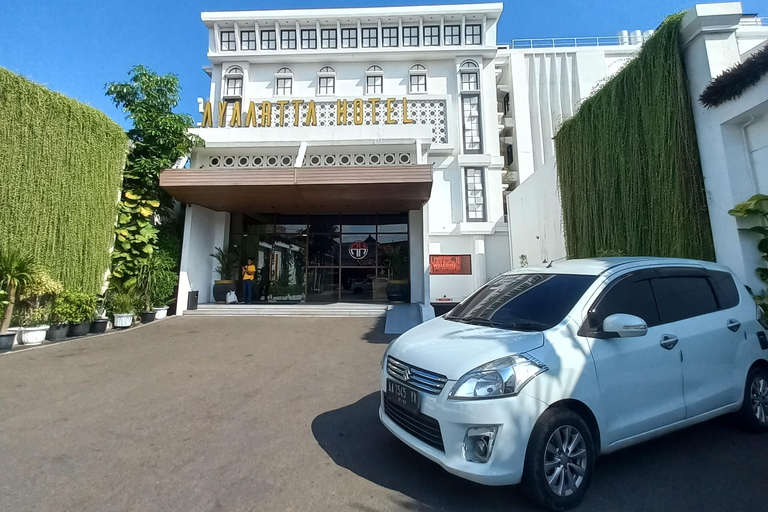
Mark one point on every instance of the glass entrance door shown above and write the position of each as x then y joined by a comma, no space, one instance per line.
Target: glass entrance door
325,258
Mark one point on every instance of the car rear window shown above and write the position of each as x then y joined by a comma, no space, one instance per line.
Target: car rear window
524,302
725,288
683,297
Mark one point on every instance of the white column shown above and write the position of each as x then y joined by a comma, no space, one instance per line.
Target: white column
478,265
204,230
418,242
708,32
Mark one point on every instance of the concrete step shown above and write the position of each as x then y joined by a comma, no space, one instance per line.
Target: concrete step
291,310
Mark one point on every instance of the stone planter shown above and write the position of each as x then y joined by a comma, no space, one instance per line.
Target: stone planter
6,340
99,326
80,329
33,335
161,313
399,290
123,320
57,332
221,288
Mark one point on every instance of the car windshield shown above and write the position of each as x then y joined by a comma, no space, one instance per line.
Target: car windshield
522,302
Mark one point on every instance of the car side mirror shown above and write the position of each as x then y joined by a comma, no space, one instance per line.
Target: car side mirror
625,326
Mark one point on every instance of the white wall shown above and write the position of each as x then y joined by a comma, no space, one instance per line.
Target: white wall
731,137
204,230
535,219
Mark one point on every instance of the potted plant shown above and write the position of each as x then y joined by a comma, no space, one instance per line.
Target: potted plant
15,272
162,294
227,260
121,301
6,339
145,283
77,309
100,322
35,300
33,325
58,328
396,260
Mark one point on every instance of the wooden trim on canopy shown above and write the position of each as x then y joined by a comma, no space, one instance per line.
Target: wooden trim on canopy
302,189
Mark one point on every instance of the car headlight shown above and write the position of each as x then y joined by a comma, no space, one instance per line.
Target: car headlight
386,352
499,378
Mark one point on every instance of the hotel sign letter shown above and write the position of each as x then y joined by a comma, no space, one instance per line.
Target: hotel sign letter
239,118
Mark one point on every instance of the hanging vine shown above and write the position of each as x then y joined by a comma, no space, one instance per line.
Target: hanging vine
60,169
628,162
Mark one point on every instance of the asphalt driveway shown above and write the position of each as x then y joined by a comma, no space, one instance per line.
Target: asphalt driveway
274,414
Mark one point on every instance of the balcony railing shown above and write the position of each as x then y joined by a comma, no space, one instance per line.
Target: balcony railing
570,42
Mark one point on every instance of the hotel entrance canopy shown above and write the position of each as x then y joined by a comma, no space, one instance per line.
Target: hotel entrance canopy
302,189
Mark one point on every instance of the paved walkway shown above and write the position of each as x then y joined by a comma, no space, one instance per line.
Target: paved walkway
276,414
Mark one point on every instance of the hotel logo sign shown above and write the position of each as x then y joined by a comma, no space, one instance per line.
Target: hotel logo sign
358,249
298,113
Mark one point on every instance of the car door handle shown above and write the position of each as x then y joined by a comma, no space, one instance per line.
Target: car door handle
668,341
733,324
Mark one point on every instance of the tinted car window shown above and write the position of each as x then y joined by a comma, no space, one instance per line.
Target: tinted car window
526,302
631,297
727,293
683,297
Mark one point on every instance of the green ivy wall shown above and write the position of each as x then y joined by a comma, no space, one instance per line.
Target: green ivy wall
628,162
61,166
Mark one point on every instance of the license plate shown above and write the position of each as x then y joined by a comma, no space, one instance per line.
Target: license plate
403,396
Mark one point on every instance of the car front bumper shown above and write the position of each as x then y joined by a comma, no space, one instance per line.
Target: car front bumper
515,418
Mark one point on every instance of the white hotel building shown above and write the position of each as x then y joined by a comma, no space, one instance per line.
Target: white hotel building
348,148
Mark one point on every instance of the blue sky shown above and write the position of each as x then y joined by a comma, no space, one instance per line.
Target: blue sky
77,46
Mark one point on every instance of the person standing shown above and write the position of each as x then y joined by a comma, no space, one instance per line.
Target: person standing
264,285
249,274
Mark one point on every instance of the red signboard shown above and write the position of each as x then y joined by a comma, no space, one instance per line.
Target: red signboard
450,264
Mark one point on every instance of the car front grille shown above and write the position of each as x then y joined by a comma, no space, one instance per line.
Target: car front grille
423,380
421,427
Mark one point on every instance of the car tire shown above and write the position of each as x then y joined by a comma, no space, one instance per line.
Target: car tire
754,409
554,482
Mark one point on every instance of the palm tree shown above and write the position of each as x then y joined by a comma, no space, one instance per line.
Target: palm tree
15,273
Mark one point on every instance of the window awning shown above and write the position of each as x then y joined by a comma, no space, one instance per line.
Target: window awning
302,189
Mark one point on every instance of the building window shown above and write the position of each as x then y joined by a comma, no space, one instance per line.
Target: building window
248,40
268,40
452,35
410,36
309,39
284,82
328,38
370,37
389,37
418,79
228,43
473,34
432,36
288,39
233,80
469,76
374,80
475,195
327,81
470,113
349,38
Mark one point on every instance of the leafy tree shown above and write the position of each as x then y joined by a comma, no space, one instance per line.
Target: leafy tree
159,138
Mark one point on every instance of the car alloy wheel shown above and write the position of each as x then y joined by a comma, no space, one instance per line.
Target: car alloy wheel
759,395
565,461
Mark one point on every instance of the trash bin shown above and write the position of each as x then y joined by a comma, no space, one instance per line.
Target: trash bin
192,300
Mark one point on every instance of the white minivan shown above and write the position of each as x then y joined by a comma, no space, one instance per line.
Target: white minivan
543,368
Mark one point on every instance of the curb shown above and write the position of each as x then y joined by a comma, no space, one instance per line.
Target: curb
82,338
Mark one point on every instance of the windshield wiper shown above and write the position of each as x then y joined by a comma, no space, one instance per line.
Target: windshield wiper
527,326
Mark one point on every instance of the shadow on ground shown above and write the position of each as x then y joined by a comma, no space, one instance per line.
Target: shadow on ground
376,333
676,472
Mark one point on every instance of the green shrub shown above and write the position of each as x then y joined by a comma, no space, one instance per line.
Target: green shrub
74,307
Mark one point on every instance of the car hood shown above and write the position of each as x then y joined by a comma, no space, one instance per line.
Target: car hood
453,348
